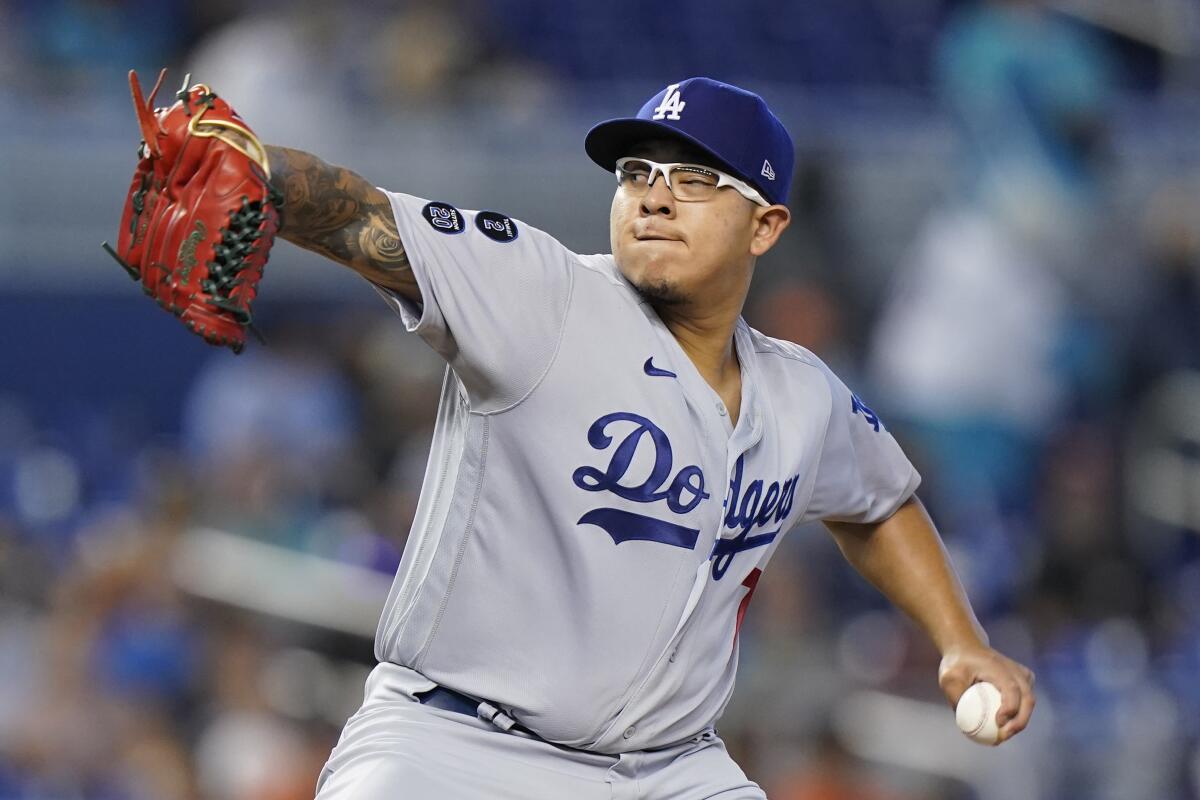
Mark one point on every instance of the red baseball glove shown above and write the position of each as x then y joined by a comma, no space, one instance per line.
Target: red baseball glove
200,216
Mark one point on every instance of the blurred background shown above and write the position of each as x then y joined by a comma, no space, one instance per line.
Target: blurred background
996,241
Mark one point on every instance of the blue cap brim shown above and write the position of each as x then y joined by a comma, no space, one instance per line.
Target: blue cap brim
615,138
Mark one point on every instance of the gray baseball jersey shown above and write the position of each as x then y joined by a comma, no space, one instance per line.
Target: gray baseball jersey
592,526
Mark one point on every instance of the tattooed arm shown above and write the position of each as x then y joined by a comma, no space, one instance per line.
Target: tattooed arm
335,212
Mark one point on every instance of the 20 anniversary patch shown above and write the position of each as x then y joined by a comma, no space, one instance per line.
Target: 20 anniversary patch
444,217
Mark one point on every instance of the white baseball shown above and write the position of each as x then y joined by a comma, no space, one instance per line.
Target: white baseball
976,713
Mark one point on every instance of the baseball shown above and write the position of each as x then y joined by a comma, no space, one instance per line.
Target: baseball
976,713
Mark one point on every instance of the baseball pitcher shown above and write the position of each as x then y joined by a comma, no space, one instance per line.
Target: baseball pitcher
617,453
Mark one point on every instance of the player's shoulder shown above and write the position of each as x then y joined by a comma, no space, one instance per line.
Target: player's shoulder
518,235
791,360
479,225
791,354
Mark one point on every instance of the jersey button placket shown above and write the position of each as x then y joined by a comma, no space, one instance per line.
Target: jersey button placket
629,732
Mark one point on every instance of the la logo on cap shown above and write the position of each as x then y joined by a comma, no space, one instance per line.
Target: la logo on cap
671,105
732,125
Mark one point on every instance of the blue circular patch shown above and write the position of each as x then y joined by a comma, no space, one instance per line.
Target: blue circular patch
496,227
444,217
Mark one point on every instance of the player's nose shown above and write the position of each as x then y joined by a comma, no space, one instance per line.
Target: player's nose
658,198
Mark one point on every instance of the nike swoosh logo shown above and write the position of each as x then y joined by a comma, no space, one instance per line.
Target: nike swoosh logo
650,369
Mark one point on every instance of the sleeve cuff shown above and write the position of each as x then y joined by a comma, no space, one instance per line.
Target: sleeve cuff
910,488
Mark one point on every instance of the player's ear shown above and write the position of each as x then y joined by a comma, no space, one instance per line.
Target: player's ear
769,223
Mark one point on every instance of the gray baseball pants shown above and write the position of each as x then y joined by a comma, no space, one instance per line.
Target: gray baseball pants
395,748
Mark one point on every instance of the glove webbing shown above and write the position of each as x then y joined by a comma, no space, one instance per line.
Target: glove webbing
237,242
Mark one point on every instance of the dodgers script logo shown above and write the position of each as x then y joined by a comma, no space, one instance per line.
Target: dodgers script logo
682,491
749,508
754,506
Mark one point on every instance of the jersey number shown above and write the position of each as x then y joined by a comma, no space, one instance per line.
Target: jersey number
442,218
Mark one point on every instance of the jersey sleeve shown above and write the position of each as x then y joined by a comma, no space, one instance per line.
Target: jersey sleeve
494,295
863,475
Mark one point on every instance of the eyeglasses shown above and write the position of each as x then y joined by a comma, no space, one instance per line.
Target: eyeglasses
688,183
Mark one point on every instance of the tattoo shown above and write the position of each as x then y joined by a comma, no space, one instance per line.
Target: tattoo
335,212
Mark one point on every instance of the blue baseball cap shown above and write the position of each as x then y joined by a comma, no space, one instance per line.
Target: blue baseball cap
732,125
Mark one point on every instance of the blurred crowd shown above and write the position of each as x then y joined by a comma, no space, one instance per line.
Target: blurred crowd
381,51
1035,348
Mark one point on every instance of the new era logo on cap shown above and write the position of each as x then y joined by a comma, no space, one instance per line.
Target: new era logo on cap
732,125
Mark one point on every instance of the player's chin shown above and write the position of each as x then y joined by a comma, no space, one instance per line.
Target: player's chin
653,266
659,290
653,260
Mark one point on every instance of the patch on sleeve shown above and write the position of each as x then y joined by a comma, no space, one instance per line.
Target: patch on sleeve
496,227
857,406
444,217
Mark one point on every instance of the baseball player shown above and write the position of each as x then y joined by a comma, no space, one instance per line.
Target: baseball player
617,455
